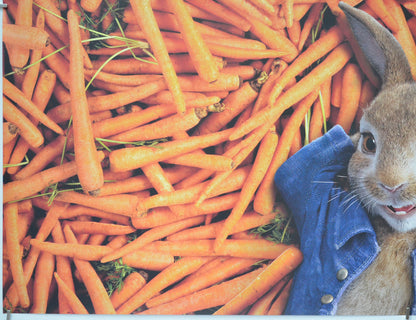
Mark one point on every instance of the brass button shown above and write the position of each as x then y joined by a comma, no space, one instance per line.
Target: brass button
328,298
342,274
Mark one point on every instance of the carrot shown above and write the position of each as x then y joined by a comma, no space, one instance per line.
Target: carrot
89,170
10,132
16,95
274,272
148,260
262,305
403,35
367,94
42,282
236,179
336,88
213,296
279,305
315,51
273,39
72,250
266,193
152,235
93,227
162,215
247,147
64,270
197,48
331,65
41,96
99,297
203,160
383,13
10,215
258,170
201,280
132,283
248,221
313,17
321,111
131,158
165,127
25,37
90,5
75,304
19,189
26,128
145,17
246,9
294,33
350,96
18,55
258,248
107,102
235,103
223,12
123,204
168,276
32,73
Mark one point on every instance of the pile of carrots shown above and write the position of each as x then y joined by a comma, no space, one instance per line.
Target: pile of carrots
141,138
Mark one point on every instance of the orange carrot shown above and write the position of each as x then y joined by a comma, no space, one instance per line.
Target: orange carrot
310,21
279,305
266,194
131,284
315,51
321,111
76,305
168,276
90,5
72,250
350,96
223,12
42,282
106,102
203,160
336,88
131,158
236,179
383,13
148,260
41,96
201,280
274,272
123,204
331,65
262,305
273,39
58,63
13,251
64,270
246,9
213,296
162,215
258,170
26,128
152,235
32,73
18,54
257,248
93,227
145,17
200,54
235,103
25,37
99,297
89,170
165,127
10,132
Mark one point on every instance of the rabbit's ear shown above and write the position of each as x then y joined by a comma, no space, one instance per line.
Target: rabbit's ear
379,46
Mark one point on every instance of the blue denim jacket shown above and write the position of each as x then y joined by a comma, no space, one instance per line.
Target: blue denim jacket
335,232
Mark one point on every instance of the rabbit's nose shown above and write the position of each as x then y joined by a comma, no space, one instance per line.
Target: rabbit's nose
390,188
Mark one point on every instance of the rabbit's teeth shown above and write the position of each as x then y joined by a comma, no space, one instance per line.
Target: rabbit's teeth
401,210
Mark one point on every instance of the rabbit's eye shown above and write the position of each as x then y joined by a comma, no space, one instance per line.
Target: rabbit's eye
368,143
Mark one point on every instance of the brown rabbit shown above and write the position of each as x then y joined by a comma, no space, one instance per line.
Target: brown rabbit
382,173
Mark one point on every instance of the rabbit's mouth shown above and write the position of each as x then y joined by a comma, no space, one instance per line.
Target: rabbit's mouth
401,212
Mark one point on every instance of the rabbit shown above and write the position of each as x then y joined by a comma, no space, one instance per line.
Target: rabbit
382,173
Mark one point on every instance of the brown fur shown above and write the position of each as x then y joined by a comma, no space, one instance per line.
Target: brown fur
385,287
